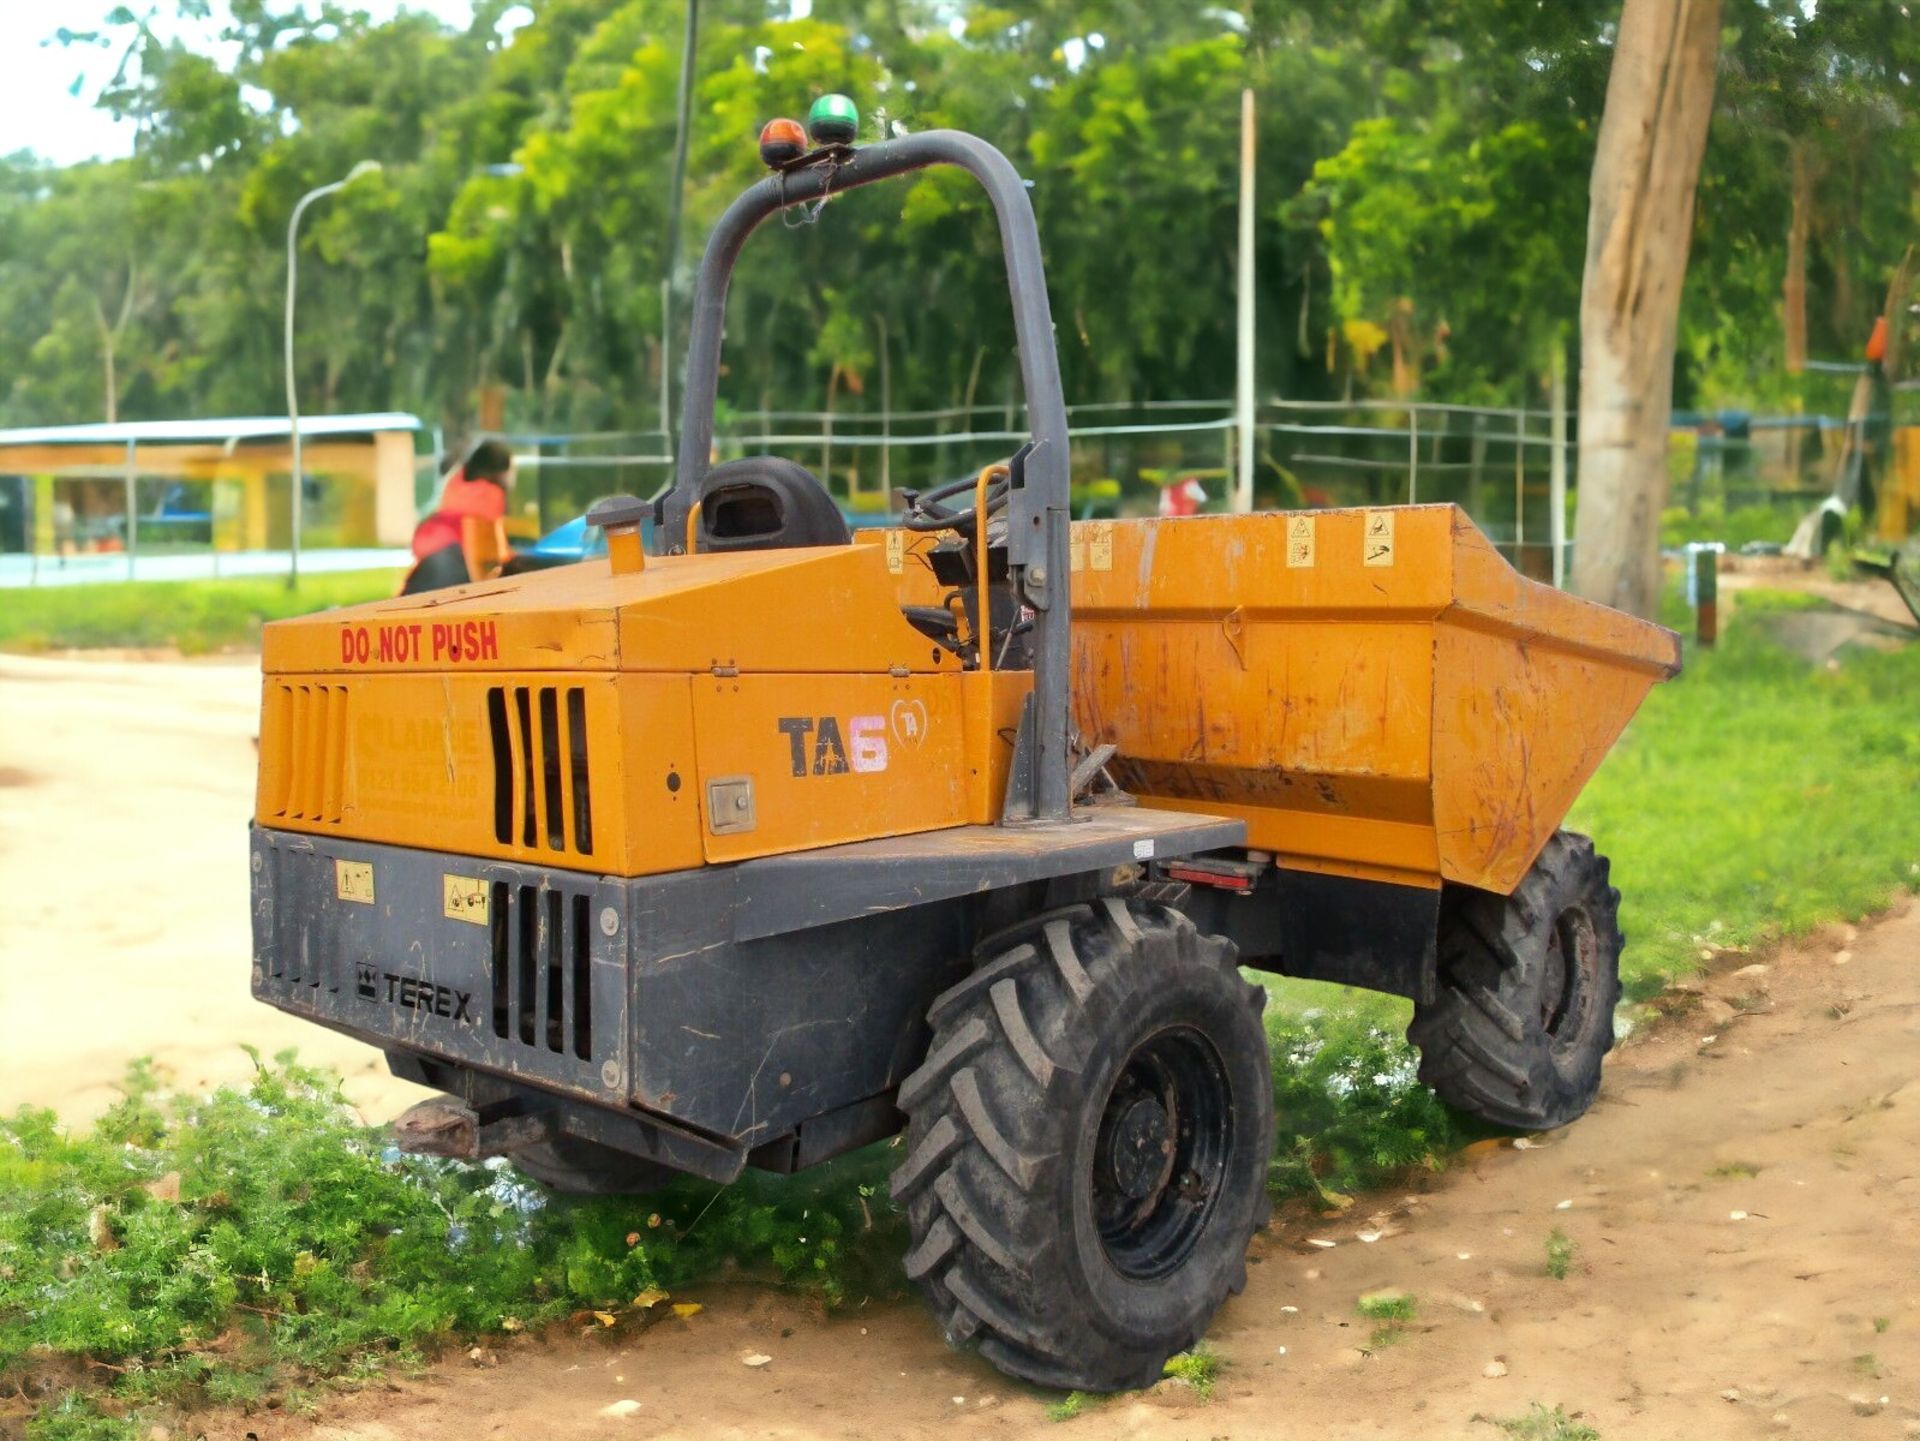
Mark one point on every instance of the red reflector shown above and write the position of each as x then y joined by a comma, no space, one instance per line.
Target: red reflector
1201,876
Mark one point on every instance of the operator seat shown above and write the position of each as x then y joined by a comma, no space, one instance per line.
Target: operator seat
766,503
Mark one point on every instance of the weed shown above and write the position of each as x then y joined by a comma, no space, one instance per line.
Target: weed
1868,1365
1199,1368
1540,1424
1069,1406
1735,1171
1347,1096
1881,1325
1391,1311
302,1246
1560,1249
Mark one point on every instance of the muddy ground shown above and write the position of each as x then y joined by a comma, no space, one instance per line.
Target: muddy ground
1743,1202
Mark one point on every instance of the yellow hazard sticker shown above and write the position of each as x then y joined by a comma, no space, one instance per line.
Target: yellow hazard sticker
896,550
1100,545
1299,542
464,898
1378,543
353,881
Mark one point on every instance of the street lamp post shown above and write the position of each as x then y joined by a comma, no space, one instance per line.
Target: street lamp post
365,167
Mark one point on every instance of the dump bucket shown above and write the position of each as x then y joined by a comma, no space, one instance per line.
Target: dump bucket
1376,693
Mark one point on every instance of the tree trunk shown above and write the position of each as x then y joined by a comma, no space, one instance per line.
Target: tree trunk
1793,289
1639,224
109,346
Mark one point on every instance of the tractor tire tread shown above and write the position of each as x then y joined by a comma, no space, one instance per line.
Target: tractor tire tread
987,1130
1480,1050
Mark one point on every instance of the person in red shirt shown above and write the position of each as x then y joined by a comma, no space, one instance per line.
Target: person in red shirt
478,489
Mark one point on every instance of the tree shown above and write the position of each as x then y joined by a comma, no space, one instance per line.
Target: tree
1646,163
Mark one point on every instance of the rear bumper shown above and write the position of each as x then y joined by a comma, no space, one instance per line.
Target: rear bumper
509,968
770,1006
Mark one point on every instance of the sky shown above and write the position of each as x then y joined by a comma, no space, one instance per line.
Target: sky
37,111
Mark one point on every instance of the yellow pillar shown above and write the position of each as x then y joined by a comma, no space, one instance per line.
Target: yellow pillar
393,487
41,542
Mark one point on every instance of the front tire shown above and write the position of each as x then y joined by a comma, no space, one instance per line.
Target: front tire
1528,986
1087,1145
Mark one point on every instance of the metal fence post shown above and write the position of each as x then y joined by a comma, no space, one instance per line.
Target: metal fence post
1519,484
1413,454
1557,472
133,509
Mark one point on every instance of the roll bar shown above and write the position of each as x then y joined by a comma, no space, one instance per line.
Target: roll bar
1039,508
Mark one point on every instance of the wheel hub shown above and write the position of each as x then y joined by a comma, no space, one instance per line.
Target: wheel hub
1140,1141
1565,999
1161,1152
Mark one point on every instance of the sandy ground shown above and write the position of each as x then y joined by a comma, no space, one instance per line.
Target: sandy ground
1744,1199
125,790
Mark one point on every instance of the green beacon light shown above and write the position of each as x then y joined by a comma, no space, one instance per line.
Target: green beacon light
833,120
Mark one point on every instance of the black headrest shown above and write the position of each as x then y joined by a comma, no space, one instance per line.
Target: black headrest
766,503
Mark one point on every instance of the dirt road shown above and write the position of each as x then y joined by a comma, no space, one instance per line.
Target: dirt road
1744,1206
125,788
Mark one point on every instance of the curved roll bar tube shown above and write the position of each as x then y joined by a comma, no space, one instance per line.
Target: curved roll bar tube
1038,511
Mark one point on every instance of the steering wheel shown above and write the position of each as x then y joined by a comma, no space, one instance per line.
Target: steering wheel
928,510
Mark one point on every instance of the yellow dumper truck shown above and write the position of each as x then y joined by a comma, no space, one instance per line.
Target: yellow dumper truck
767,844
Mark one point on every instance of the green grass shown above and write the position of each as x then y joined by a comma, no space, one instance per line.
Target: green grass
196,616
1349,1109
1540,1424
1732,528
1072,1404
1560,1252
1391,1312
1756,797
1199,1368
302,1247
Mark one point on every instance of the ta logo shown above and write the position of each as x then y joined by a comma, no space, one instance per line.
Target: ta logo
909,719
366,982
817,747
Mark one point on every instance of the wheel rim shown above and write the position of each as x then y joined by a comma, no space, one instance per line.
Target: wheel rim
1573,949
1160,1159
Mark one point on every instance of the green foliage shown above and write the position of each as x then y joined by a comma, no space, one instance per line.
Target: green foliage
1391,1312
1069,1406
301,1246
1421,170
1540,1424
1748,800
1732,528
1419,212
1349,1107
1199,1368
196,616
1560,1253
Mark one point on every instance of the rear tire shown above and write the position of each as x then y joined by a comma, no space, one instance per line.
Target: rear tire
1528,986
1087,1145
569,1166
